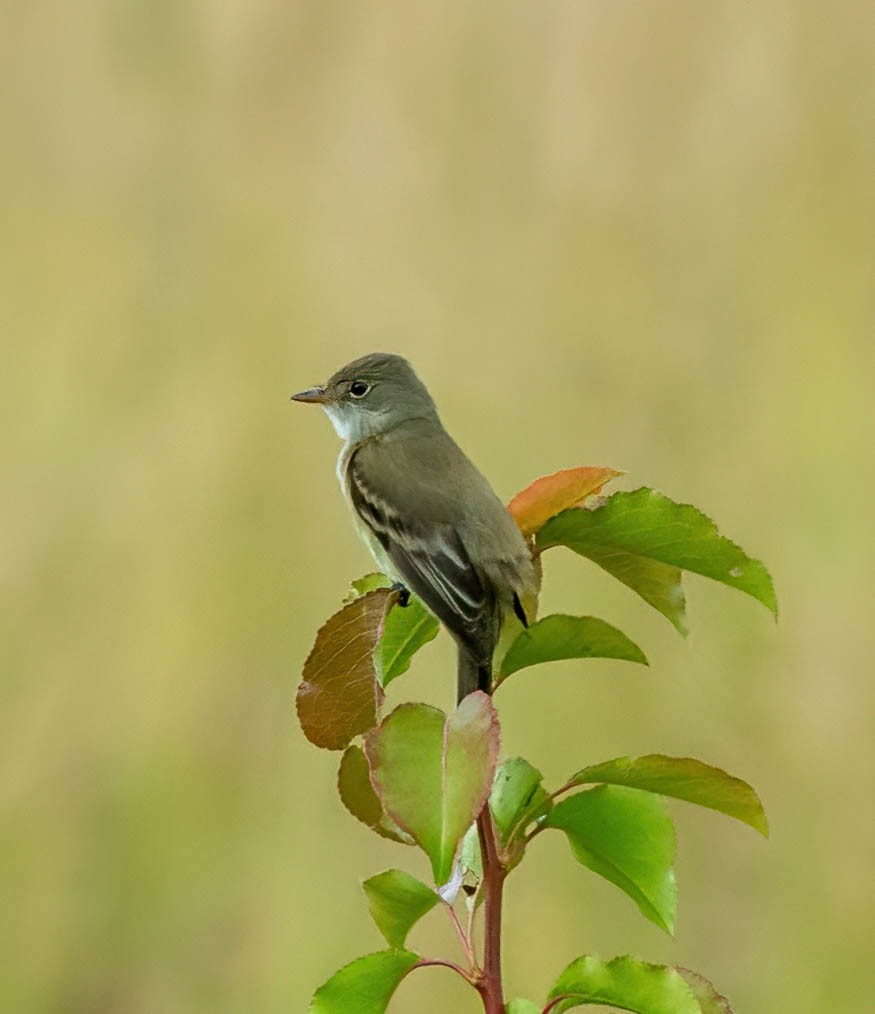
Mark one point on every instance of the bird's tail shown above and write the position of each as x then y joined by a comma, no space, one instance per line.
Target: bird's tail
474,673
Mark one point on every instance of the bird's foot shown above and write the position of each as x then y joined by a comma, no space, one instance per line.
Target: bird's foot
403,593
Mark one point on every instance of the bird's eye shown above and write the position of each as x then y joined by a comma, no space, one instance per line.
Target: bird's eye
358,388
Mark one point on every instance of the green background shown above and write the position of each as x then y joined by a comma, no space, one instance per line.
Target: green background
636,235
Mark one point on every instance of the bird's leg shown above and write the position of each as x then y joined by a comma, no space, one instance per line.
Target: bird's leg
403,593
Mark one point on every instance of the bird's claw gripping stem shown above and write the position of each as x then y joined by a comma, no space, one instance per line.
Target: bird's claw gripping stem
403,593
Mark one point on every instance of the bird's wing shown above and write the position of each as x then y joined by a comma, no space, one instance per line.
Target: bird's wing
416,530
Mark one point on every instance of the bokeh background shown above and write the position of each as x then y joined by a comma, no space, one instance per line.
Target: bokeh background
632,234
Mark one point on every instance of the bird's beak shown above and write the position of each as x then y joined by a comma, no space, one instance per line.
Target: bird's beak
312,396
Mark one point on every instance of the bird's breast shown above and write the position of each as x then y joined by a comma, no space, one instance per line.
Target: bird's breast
364,532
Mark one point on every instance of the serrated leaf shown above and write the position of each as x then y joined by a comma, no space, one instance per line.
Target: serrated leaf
623,982
340,696
548,496
627,837
397,901
683,778
561,637
517,798
645,539
433,773
358,796
365,986
710,1001
405,631
659,584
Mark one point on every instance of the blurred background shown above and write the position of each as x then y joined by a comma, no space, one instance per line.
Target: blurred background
637,235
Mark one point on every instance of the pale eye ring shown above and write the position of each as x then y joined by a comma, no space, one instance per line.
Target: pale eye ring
359,388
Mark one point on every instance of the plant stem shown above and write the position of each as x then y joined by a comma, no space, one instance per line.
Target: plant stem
489,984
554,1003
442,963
464,938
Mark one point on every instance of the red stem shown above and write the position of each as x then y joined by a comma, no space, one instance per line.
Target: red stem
464,938
489,984
441,963
555,1002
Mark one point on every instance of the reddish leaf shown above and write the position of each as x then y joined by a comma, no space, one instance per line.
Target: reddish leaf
551,494
709,999
340,695
358,796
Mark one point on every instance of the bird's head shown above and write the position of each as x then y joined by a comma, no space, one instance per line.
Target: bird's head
371,395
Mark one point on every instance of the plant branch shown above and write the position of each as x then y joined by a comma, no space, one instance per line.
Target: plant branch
534,833
443,963
564,788
524,820
489,984
555,1002
464,938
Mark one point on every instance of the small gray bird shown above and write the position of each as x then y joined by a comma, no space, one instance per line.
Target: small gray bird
430,519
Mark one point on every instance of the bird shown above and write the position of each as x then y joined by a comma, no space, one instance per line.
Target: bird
431,520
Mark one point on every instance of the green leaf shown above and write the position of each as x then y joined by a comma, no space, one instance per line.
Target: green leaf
558,637
397,901
365,986
339,697
405,631
470,857
517,798
644,539
627,837
710,1001
520,1006
433,773
368,583
626,983
358,796
682,778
